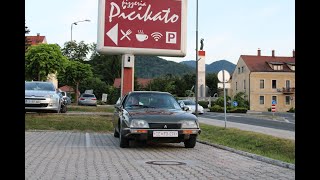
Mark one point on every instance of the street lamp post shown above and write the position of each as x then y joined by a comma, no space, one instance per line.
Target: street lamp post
196,89
76,23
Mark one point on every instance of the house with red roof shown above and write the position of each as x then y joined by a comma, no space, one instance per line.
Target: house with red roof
265,80
36,39
141,81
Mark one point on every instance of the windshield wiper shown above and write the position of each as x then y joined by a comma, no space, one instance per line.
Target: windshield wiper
139,105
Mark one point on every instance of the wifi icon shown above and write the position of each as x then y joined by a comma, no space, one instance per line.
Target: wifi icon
156,36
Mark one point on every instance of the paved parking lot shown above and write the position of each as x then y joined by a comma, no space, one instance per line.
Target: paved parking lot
77,155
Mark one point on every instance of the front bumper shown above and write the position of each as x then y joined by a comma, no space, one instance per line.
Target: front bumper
34,104
147,134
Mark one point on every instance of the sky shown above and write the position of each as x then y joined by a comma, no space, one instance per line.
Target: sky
230,28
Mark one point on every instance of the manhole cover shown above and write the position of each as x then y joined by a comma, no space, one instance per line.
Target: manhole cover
165,163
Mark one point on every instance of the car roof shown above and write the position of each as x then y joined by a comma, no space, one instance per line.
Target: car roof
48,82
158,92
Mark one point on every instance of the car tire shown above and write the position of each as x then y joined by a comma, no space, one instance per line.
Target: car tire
64,109
191,142
115,133
124,142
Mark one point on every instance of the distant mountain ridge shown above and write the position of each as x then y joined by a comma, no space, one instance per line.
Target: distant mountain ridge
214,67
153,66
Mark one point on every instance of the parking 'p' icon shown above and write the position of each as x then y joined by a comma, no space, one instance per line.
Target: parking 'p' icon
171,37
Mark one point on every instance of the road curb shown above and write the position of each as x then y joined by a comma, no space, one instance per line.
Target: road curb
254,156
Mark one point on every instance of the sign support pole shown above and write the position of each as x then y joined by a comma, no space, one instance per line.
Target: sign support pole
225,101
127,74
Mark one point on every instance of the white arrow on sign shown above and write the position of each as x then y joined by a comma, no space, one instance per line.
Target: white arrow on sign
113,34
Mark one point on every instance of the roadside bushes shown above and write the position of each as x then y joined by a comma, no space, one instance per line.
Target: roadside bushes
217,108
292,110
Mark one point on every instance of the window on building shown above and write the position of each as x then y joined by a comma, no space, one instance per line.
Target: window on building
274,84
274,98
236,86
287,84
277,67
242,69
261,98
244,84
288,98
293,68
238,70
261,84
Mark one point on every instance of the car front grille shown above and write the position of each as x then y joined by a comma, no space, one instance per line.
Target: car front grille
37,105
162,126
36,98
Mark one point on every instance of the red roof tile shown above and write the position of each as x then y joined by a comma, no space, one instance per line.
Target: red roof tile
143,82
260,63
35,39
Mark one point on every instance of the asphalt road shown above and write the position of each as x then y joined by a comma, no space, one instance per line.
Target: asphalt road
282,121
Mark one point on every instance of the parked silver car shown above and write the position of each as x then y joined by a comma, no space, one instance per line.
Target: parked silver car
42,96
191,105
87,99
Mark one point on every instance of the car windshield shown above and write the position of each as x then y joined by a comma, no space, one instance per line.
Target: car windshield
39,86
151,100
88,95
189,102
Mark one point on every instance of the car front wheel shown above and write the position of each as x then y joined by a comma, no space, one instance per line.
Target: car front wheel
115,133
124,142
191,142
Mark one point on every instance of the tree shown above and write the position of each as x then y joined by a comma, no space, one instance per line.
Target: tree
106,67
75,72
99,87
43,59
164,83
76,51
27,42
240,98
212,83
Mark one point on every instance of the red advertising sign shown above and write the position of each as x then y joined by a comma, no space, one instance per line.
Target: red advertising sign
142,27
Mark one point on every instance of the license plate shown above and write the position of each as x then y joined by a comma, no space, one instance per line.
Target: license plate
165,133
28,101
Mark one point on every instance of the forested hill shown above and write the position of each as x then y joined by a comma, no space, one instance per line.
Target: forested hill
153,66
214,67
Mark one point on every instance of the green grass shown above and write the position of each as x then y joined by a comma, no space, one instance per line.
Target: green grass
256,143
86,123
90,108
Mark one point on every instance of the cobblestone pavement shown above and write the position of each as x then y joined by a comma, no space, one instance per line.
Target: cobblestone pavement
78,155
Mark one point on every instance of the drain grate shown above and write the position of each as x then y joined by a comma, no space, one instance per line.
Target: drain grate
166,163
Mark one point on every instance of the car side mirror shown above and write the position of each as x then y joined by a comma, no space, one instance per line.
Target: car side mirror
118,106
185,108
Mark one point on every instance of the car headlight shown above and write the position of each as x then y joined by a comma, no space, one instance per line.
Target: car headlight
189,124
49,96
136,123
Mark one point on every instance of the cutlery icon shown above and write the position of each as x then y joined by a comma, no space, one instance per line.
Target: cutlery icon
126,35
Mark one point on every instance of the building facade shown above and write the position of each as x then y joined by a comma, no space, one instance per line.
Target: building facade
265,80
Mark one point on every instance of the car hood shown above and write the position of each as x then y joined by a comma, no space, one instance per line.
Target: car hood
160,115
39,93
